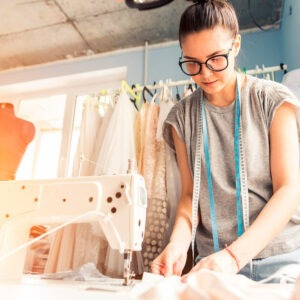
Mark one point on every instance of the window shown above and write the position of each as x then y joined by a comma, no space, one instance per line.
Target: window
54,106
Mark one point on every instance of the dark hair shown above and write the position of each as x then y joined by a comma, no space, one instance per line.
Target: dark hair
207,14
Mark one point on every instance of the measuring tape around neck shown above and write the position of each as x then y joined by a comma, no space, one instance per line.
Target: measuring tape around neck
242,202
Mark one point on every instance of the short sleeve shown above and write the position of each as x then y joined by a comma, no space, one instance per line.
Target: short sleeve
272,95
174,119
276,97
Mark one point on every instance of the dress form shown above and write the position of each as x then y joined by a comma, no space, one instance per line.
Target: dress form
15,135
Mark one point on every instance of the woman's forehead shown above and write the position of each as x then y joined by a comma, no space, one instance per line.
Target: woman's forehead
206,41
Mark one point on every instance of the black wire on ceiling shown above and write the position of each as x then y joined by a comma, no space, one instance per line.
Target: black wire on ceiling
254,20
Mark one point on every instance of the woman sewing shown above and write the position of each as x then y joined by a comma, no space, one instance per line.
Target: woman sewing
236,144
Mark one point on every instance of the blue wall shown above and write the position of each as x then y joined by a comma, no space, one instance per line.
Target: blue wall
269,48
290,37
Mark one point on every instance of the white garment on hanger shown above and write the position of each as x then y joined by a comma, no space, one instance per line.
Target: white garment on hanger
172,176
165,104
292,81
90,123
100,136
118,144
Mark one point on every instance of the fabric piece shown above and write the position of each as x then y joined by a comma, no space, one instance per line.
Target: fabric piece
149,153
173,182
259,100
118,146
90,123
209,285
292,81
141,136
172,179
81,243
100,136
153,237
119,135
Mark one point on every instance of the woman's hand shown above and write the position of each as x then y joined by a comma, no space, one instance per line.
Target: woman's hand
171,261
220,261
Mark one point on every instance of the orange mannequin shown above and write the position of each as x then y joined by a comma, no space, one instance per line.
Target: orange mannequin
15,135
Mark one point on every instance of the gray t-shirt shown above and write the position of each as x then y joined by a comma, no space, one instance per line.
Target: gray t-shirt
259,101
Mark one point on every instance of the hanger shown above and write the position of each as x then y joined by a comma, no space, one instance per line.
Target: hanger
282,67
126,88
177,94
134,100
145,89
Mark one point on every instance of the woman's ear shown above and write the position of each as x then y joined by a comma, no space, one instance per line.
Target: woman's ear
237,44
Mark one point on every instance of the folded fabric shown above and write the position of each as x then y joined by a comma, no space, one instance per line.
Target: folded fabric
211,285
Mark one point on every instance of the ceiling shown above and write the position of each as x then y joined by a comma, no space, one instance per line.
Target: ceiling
40,31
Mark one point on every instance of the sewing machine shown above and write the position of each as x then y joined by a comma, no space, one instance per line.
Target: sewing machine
118,202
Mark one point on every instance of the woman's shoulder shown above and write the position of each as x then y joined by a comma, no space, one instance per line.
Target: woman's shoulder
190,101
185,109
264,85
261,89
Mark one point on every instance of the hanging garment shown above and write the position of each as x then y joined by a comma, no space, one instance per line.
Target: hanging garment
101,132
149,153
140,135
117,147
118,144
153,237
83,242
292,81
172,181
90,246
187,91
90,123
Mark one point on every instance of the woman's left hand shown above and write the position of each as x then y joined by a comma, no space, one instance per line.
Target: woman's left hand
220,261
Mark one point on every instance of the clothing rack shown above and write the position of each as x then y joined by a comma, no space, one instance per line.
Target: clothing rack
168,84
264,70
257,71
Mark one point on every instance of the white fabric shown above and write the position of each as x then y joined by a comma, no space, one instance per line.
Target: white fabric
165,104
118,144
210,285
292,81
113,137
100,136
90,123
173,181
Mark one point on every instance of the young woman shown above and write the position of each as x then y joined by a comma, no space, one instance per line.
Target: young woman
236,144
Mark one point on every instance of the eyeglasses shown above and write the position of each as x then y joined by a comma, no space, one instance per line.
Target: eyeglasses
216,63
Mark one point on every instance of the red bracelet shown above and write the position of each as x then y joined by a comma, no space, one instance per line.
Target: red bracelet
237,261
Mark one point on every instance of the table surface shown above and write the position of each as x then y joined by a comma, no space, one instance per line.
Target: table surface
35,288
42,289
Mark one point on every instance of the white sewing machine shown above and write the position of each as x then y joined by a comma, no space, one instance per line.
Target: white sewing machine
118,202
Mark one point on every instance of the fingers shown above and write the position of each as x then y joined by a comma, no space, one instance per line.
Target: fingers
205,263
157,267
168,268
177,269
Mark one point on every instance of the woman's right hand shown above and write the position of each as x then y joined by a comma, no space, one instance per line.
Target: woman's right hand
171,261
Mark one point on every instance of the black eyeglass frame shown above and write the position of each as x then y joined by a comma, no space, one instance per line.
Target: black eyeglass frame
181,62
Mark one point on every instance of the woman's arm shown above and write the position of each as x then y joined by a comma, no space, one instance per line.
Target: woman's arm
182,228
284,160
172,260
